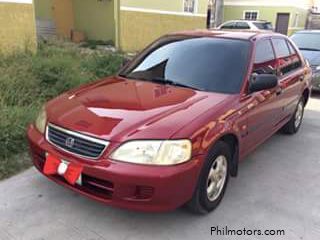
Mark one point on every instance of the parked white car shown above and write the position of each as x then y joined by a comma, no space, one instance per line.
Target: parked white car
257,25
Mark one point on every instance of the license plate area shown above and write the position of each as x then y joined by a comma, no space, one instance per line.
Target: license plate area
63,167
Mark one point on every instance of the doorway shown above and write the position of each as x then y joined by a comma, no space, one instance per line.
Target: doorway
282,23
63,17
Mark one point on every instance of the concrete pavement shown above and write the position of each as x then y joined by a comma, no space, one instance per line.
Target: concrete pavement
278,187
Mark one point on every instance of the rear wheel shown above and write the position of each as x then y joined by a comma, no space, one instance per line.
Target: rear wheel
213,180
295,122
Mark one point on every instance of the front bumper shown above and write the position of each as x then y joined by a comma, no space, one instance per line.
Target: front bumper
136,187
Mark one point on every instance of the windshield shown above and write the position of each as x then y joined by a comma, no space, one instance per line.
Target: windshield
307,41
208,64
263,26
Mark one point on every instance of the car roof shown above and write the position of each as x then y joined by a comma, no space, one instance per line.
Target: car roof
308,31
243,34
244,20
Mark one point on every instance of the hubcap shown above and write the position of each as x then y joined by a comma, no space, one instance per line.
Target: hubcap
298,115
216,178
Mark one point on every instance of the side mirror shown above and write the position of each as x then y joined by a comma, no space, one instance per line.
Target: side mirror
262,82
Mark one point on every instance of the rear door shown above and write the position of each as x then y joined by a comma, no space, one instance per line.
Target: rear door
264,109
291,75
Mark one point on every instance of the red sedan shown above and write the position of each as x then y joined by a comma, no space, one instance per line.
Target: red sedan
174,124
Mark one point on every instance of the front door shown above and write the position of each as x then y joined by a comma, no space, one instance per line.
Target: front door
282,23
63,17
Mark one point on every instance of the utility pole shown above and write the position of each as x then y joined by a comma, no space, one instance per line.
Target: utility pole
219,9
209,14
215,13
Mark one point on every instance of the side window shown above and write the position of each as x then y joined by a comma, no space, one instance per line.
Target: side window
242,25
281,48
229,25
265,61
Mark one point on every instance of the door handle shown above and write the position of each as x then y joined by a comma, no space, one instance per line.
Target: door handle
301,78
279,91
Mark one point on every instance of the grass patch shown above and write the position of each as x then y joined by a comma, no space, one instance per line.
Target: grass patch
28,80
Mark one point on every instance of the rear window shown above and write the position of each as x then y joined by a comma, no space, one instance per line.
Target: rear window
281,48
263,26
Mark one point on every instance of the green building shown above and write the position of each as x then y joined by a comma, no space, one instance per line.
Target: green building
132,24
287,16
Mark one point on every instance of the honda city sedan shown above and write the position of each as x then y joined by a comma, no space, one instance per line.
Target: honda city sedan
173,125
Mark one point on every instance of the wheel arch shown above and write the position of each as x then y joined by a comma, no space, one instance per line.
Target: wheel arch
232,140
306,95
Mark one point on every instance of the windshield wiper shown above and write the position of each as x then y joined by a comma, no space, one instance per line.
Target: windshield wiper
133,77
309,49
161,80
174,83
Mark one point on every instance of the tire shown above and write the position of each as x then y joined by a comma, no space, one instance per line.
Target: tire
204,200
293,126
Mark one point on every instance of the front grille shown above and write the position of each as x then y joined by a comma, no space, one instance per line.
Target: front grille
76,143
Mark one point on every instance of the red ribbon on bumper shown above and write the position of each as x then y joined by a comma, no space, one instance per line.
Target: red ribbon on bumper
51,165
72,173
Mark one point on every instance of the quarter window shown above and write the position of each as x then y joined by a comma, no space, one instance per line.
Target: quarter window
251,15
292,50
189,6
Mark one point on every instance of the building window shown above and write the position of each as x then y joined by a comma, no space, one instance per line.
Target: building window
250,15
189,6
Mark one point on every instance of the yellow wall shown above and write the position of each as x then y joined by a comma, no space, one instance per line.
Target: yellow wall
17,27
139,29
96,19
43,9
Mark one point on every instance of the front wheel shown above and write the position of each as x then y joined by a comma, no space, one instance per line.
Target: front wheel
213,180
295,122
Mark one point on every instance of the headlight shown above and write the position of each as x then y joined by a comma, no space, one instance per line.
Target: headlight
168,152
41,120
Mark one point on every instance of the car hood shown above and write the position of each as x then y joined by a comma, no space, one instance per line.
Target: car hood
118,109
312,56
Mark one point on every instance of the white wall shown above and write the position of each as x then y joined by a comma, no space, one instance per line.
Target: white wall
17,1
286,3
